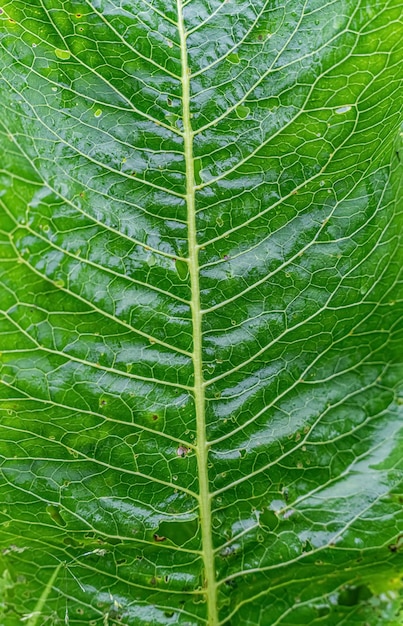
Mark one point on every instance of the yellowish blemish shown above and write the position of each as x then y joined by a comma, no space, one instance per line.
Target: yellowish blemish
63,55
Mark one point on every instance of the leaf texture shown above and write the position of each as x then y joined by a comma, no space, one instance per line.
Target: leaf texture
200,312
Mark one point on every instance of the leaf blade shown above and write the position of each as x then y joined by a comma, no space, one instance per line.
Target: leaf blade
285,210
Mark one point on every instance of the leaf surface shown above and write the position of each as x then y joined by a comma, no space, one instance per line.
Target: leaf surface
201,320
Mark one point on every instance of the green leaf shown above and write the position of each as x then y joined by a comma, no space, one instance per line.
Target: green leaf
200,313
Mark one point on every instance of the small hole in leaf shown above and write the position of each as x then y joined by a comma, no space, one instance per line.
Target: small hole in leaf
394,547
54,513
242,111
69,541
351,596
307,546
178,532
233,58
63,55
182,269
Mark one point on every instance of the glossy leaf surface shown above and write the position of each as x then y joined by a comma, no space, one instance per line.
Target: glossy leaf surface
201,320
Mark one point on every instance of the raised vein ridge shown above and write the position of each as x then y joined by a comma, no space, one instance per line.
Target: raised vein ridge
202,447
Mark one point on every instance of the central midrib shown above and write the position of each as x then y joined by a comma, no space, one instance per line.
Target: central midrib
202,448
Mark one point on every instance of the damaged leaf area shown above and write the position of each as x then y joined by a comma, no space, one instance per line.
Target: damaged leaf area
201,313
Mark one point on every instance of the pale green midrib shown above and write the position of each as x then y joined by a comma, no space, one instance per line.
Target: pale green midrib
202,448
